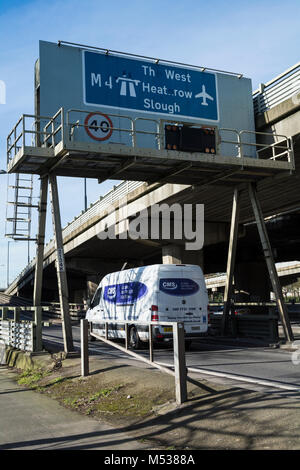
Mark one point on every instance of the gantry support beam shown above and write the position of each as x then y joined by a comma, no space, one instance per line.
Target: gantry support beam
38,275
61,266
264,238
231,257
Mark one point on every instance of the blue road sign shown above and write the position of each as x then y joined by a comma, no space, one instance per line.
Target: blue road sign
139,85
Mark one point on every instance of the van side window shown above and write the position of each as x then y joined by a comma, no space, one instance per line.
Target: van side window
96,298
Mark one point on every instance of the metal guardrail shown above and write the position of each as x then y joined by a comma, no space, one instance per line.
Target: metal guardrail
21,334
27,125
66,132
179,373
264,327
282,142
77,311
277,90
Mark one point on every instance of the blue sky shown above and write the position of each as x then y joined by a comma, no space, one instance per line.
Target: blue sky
259,39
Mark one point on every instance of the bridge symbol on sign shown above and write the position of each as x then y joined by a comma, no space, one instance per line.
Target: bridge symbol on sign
131,84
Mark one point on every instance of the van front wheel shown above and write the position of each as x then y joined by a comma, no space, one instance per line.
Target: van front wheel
134,339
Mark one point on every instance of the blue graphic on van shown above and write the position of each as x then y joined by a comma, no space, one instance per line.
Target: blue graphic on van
178,286
125,293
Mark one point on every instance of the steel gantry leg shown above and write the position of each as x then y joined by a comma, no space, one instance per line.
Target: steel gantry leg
60,266
38,275
270,262
231,257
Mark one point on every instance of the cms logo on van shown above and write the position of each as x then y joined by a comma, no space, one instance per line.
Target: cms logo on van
111,292
169,285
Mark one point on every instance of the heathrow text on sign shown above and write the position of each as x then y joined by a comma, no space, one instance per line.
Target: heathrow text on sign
136,85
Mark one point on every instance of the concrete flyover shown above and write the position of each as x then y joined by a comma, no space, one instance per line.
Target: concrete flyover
88,257
288,273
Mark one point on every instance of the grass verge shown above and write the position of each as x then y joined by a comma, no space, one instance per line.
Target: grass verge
110,397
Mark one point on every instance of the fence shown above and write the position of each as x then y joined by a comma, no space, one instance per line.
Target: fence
77,311
179,372
263,327
21,334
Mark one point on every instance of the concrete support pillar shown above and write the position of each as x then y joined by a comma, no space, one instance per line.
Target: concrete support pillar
172,254
92,283
176,254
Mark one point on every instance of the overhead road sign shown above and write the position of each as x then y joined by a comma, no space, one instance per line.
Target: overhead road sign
139,90
139,85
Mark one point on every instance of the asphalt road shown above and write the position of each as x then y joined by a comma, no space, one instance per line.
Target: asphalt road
253,366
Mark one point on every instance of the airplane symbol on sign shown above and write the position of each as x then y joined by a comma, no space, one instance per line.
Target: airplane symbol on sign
205,96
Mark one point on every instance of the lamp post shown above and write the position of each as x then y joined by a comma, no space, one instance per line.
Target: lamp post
7,265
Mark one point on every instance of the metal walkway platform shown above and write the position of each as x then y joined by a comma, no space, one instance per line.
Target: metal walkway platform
58,150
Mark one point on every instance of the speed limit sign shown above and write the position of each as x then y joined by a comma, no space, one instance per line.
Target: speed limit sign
98,126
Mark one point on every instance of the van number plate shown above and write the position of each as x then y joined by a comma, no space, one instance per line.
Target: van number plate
168,329
195,327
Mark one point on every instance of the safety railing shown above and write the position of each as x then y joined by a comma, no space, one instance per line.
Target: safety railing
179,372
247,144
131,130
55,131
76,311
56,135
280,148
282,144
27,126
281,88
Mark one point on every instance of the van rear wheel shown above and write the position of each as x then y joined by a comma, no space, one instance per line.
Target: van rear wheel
134,339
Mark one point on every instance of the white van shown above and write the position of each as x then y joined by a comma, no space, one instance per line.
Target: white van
161,292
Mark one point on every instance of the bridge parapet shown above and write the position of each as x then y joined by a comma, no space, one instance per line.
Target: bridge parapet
279,89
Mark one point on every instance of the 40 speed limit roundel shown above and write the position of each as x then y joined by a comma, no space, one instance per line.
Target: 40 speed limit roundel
98,126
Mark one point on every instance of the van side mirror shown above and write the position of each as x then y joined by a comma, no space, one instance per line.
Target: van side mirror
88,302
